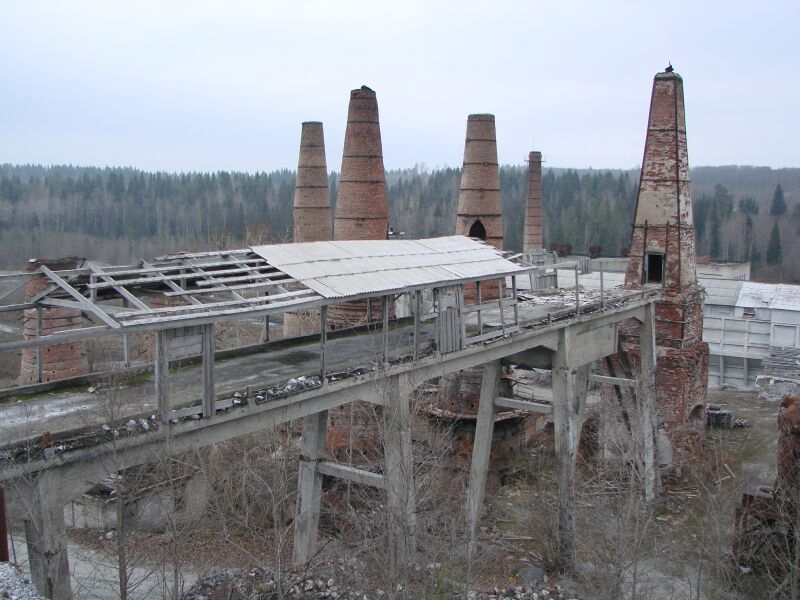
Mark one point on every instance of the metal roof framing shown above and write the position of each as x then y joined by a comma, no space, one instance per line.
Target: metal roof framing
207,287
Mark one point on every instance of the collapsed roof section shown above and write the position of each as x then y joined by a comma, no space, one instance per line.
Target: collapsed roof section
211,286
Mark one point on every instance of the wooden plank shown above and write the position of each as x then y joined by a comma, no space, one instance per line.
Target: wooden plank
351,474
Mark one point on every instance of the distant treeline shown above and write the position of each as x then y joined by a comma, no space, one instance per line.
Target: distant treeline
120,214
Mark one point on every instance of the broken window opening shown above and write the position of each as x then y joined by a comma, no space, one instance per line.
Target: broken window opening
477,231
654,268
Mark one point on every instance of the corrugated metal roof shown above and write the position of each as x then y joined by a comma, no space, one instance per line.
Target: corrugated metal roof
722,292
352,267
750,294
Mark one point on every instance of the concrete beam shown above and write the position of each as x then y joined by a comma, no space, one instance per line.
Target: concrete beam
514,404
359,476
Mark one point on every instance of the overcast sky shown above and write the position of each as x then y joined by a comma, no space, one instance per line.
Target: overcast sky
197,86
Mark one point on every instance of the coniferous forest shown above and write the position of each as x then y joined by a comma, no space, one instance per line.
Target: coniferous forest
117,215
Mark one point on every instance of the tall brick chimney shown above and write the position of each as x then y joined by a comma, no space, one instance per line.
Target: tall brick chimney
662,257
312,213
59,361
479,209
312,201
532,235
362,204
479,216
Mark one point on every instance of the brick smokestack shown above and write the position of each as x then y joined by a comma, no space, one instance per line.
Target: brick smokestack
532,237
478,216
312,213
59,361
312,201
662,258
362,205
479,209
664,203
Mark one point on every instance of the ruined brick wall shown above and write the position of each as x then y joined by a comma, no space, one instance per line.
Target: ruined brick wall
532,234
59,361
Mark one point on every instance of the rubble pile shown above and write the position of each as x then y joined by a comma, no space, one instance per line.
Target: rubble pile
334,582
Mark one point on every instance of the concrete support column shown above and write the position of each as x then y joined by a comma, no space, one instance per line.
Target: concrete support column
481,449
399,470
569,399
161,358
309,487
209,395
647,405
46,537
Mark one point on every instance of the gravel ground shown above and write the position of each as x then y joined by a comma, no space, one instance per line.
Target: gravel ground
14,586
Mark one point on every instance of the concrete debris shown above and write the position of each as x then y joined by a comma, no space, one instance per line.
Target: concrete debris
14,586
335,582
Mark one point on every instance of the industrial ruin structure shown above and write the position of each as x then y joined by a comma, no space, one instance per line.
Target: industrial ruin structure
362,202
58,361
467,324
662,258
311,212
532,238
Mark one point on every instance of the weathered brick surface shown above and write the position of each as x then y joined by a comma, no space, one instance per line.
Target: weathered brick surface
532,232
663,225
313,221
479,196
362,207
312,204
60,360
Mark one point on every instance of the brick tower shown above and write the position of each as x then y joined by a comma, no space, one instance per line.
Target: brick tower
479,209
312,213
662,257
479,216
532,234
362,205
59,361
312,201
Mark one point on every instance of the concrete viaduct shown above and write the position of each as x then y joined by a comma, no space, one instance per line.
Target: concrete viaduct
428,275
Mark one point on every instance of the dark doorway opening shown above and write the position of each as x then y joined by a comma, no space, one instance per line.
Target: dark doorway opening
655,268
477,231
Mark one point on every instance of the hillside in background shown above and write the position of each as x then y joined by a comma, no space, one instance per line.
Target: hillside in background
118,215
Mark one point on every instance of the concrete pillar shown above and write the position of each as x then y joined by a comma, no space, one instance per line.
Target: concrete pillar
161,375
569,400
481,449
532,236
46,537
399,470
309,487
59,361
